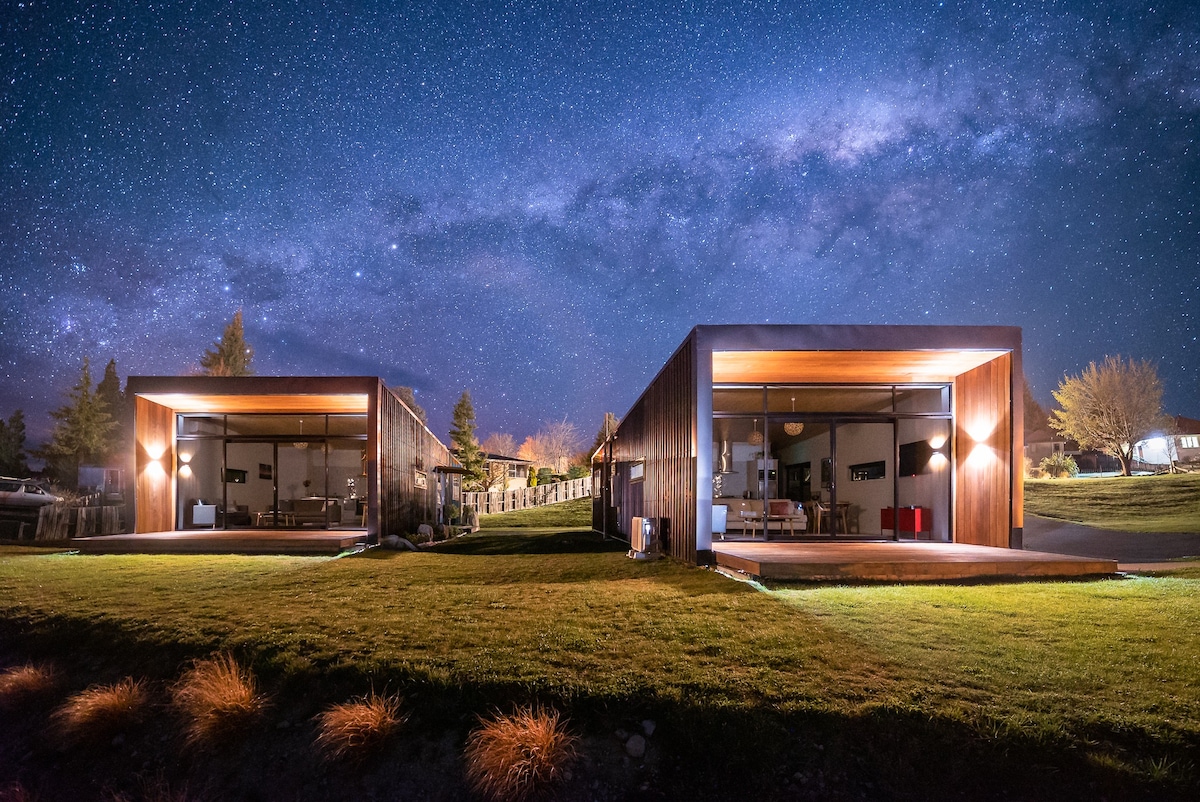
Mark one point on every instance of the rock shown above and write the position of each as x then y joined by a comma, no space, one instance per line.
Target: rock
635,747
390,542
648,727
622,735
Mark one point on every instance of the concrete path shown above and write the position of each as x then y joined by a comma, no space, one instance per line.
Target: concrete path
1132,550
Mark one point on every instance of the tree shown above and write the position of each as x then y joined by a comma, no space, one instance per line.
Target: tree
1111,407
502,444
1036,417
109,389
606,429
409,397
559,443
13,459
464,444
231,355
82,433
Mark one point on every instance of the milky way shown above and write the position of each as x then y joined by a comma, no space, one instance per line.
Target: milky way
537,201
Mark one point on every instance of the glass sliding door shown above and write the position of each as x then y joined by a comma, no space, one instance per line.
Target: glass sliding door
281,471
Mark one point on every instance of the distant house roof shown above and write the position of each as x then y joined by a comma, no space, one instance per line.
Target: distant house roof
1186,425
502,458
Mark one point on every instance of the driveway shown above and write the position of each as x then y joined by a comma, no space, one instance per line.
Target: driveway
1127,548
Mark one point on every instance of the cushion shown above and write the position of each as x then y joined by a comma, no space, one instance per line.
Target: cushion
782,507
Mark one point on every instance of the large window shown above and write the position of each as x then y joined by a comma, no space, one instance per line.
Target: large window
849,455
283,471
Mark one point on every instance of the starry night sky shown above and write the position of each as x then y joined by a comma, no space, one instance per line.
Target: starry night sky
537,201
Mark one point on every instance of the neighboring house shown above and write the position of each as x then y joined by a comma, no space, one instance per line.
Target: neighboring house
283,452
1181,449
1044,442
860,420
515,468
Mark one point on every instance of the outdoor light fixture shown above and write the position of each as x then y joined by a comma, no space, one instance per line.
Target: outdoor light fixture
755,438
793,428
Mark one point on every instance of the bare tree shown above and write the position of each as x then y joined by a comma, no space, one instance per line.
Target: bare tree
531,451
560,442
497,443
1111,407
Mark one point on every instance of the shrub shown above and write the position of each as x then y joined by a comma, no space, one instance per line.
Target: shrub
218,697
23,684
520,756
1059,466
356,729
101,711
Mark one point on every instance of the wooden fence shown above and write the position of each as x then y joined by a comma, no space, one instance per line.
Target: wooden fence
527,497
58,522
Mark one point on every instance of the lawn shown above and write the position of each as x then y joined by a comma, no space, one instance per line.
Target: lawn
1031,690
1169,503
569,514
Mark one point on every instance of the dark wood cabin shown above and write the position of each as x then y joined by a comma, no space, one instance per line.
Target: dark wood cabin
858,432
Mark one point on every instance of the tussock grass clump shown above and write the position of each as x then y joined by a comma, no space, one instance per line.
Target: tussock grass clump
354,730
101,711
219,698
15,792
522,756
21,685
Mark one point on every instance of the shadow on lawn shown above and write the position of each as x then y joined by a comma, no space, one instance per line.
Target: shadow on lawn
524,541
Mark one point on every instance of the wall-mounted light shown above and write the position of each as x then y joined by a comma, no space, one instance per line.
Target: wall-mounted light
940,455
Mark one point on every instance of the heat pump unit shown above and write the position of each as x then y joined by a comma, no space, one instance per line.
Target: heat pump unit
641,536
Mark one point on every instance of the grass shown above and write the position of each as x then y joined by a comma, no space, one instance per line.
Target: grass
1048,684
354,730
101,712
219,698
520,756
1169,503
566,514
26,684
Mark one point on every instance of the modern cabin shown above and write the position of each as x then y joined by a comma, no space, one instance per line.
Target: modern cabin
822,433
260,453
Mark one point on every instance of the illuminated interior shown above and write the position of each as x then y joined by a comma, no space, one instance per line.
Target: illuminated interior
848,438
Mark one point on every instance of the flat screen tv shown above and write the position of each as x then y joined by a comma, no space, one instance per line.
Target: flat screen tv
914,458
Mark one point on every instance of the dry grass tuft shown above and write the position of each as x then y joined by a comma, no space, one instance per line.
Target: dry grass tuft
356,729
15,792
24,684
219,698
101,711
520,757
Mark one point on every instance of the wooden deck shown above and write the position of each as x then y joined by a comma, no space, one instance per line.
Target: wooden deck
903,561
233,541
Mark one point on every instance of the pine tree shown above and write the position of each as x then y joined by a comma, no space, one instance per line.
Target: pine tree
409,397
466,447
109,389
82,432
231,355
13,459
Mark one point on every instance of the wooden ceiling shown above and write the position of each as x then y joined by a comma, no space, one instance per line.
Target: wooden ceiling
233,404
845,367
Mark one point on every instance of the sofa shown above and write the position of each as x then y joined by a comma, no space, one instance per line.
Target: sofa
312,511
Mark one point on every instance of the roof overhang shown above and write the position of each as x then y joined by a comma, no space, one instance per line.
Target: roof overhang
184,403
847,367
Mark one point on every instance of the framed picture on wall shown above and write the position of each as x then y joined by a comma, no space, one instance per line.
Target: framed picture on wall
264,470
826,472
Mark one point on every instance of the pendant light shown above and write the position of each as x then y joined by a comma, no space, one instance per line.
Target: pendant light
756,438
793,428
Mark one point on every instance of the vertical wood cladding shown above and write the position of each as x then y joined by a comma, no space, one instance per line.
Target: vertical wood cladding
154,466
984,454
659,431
404,448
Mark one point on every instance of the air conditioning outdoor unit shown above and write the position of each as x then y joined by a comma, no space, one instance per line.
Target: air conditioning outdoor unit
641,535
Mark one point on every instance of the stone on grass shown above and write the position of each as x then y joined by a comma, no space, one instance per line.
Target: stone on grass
635,747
